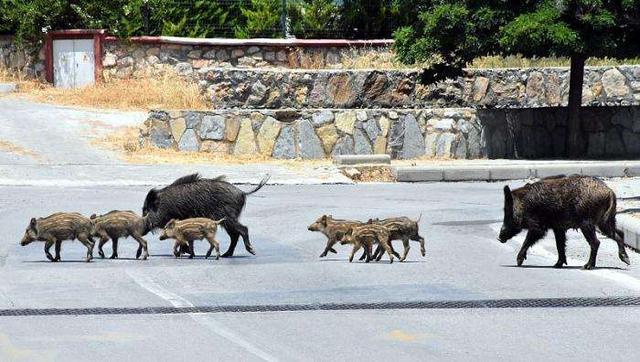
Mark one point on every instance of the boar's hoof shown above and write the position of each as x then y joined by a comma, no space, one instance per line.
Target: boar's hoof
101,253
588,266
251,250
558,265
521,259
113,256
625,259
138,253
332,250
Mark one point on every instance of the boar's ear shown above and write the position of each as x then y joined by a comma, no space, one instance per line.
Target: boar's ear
151,201
32,223
171,223
508,198
324,220
93,216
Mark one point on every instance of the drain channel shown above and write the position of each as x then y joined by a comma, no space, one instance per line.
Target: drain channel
453,304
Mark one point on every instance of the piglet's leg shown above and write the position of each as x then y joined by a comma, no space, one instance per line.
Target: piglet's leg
58,244
47,247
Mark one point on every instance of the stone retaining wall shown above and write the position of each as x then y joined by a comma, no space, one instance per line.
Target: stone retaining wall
484,88
461,133
126,59
316,134
17,58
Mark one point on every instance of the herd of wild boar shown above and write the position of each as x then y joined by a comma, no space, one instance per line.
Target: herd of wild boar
192,208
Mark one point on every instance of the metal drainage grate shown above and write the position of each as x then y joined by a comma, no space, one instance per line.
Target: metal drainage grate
453,304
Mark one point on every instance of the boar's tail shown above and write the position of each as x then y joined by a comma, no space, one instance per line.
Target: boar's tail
419,217
260,185
608,224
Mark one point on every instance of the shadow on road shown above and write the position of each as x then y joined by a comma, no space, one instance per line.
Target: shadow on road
565,267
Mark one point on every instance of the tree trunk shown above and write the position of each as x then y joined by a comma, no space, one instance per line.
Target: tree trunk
574,140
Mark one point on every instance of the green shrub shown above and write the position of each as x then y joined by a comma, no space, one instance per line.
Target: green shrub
314,18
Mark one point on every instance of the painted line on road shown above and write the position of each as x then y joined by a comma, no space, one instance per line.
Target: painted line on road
521,303
625,280
180,303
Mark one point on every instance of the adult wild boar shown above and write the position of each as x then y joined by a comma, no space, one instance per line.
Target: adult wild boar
561,203
193,196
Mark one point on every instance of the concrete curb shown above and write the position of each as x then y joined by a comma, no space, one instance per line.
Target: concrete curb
8,87
344,160
514,172
630,226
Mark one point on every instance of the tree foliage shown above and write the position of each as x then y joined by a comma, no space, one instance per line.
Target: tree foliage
457,31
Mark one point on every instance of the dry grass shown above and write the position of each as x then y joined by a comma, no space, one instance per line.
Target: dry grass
166,92
519,61
370,174
125,142
6,146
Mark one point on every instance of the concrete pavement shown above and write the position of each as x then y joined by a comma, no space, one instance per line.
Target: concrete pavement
464,262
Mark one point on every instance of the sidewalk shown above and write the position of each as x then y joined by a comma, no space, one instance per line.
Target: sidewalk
500,170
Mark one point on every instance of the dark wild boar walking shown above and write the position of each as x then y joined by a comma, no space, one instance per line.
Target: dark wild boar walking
186,231
561,203
120,224
56,228
193,196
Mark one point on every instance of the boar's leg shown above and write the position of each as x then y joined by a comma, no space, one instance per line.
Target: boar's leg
235,229
610,231
420,239
214,243
176,246
405,244
386,244
142,246
329,248
192,253
532,237
114,244
87,242
589,232
47,247
58,243
356,247
380,251
561,242
103,240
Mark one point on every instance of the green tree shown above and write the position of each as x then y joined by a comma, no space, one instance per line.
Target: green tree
313,18
262,18
456,32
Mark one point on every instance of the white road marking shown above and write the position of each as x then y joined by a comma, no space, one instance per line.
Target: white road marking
206,320
625,280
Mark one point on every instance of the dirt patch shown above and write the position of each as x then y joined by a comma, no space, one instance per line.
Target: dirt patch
369,173
9,147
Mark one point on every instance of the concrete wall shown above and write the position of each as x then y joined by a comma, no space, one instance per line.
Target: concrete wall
26,61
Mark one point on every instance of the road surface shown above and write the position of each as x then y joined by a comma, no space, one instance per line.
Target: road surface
280,293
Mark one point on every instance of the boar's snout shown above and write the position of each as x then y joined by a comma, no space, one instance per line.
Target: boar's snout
507,233
313,227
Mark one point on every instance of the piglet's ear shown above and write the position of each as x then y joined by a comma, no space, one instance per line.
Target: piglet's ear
32,223
171,223
324,220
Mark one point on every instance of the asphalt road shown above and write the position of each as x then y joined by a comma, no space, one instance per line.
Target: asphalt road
464,262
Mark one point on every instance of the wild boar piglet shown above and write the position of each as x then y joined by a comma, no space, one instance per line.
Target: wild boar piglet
188,230
333,229
121,224
56,228
365,236
399,228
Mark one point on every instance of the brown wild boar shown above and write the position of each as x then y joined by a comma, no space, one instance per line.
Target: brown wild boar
561,203
58,227
120,224
400,228
188,230
366,235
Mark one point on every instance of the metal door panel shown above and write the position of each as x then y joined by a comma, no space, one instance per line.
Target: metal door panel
84,62
63,63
